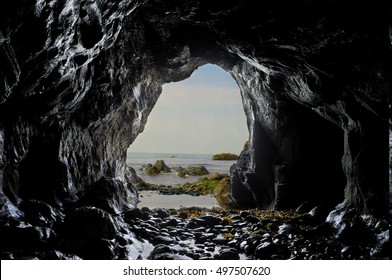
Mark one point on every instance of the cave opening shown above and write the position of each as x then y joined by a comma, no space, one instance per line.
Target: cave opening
193,120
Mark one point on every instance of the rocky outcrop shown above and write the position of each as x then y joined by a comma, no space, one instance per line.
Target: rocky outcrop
225,156
79,79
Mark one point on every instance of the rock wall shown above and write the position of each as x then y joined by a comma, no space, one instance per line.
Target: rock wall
79,78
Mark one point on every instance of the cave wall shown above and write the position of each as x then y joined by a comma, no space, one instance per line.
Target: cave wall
79,78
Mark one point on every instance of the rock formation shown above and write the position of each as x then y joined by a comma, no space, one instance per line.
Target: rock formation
78,80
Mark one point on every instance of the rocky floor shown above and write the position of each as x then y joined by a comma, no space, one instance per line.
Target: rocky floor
193,233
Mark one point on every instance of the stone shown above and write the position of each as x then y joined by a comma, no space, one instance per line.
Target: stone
89,231
222,194
207,221
319,213
151,170
269,250
163,252
136,213
160,239
161,166
108,194
225,156
228,254
195,170
39,213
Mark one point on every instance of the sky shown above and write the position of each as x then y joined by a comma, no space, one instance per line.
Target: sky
200,115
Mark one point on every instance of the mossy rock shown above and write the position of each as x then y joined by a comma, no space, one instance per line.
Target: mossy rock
222,193
180,172
161,166
225,156
150,170
217,176
247,145
195,170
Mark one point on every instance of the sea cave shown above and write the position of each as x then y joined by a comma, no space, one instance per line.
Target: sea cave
78,80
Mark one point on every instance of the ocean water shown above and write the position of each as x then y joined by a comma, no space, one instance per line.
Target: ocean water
137,160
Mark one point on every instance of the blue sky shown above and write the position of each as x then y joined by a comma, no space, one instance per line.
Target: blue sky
200,115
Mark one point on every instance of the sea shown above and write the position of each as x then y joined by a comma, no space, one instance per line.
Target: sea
137,160
153,199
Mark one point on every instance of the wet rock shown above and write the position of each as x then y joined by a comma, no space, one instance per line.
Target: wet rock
161,213
351,252
160,239
90,232
319,213
269,250
207,221
8,210
133,214
39,213
107,194
163,252
228,254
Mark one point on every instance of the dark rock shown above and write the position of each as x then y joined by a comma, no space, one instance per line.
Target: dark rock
350,228
131,176
163,252
161,166
89,233
268,250
133,214
160,239
161,213
8,210
39,213
107,194
207,221
228,254
319,213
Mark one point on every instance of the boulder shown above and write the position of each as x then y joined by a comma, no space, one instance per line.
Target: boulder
110,195
197,170
225,156
222,194
90,232
161,166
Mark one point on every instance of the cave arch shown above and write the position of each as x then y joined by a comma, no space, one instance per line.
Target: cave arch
300,68
202,114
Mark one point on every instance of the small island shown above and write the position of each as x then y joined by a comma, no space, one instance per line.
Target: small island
225,156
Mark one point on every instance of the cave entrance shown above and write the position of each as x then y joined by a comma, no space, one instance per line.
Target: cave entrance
191,121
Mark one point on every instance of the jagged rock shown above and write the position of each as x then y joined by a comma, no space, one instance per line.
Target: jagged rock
39,213
161,166
108,194
150,169
131,176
